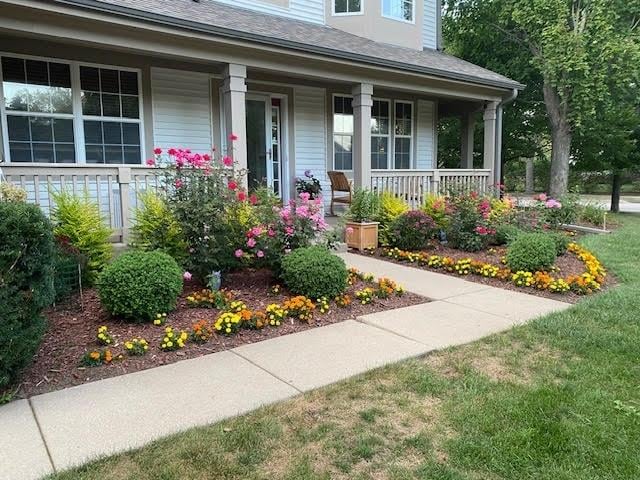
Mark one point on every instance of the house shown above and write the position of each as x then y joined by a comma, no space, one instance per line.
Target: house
88,88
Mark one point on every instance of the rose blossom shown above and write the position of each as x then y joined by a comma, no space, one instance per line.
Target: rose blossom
227,161
253,199
187,276
157,151
260,254
238,253
232,185
151,162
242,196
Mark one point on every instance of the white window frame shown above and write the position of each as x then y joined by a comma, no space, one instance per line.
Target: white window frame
346,14
410,137
389,135
77,115
334,133
400,19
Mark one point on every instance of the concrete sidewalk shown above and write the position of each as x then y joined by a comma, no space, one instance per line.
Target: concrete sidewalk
62,429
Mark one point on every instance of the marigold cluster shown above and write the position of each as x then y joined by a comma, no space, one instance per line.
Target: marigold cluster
299,307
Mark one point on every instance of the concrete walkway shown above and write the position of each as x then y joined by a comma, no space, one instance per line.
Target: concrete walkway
59,430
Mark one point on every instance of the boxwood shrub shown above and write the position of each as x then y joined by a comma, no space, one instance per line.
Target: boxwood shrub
26,284
314,272
139,285
531,252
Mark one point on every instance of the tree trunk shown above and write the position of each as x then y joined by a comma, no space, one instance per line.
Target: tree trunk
561,137
615,192
529,180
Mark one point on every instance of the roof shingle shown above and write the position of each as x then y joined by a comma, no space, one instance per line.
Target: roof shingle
224,19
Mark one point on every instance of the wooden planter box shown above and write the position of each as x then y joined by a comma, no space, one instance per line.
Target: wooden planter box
362,235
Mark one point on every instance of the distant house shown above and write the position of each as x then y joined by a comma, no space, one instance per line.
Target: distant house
89,88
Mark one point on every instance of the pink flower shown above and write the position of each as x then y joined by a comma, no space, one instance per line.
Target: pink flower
187,276
232,185
260,254
206,157
253,199
233,137
242,196
172,151
178,183
151,162
542,197
551,203
238,253
305,196
289,230
157,151
256,231
482,230
227,161
349,230
251,242
271,233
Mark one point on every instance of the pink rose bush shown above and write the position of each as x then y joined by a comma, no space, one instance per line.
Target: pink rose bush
294,225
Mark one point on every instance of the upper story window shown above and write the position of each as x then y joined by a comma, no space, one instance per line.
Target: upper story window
64,112
347,7
399,9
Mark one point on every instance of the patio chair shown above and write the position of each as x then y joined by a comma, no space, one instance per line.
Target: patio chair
339,184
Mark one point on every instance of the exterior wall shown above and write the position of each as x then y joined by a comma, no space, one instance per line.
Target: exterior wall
182,111
430,24
371,24
310,131
308,10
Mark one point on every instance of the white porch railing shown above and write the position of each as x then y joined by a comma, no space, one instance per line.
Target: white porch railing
414,186
114,188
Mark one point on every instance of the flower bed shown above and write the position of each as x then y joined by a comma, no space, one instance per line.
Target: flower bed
84,345
576,273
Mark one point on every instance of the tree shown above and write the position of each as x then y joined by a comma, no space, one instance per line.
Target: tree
577,52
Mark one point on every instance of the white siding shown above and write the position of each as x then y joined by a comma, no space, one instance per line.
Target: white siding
310,134
308,10
181,109
430,24
426,134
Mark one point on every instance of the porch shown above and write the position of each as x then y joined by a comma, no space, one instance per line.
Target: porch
180,89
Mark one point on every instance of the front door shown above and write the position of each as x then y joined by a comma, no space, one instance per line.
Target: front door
263,143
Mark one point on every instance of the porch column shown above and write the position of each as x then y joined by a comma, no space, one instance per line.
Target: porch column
362,104
234,91
490,138
467,140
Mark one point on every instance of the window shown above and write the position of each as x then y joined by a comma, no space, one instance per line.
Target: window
110,112
342,133
45,124
380,134
398,9
38,111
347,7
403,132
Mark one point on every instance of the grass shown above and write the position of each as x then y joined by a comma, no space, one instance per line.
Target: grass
557,399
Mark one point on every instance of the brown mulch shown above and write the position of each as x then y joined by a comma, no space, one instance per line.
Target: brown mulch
567,265
72,329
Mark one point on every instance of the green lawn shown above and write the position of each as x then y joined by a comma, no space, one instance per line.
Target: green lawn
556,399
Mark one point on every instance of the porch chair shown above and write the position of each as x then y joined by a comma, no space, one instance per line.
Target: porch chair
339,183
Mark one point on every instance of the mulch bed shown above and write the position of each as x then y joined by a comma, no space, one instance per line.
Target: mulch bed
72,329
568,264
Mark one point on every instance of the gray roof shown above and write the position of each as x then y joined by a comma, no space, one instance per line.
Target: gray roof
222,20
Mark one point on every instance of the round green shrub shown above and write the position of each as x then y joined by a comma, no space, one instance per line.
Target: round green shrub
314,272
412,230
139,285
531,252
506,233
26,284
